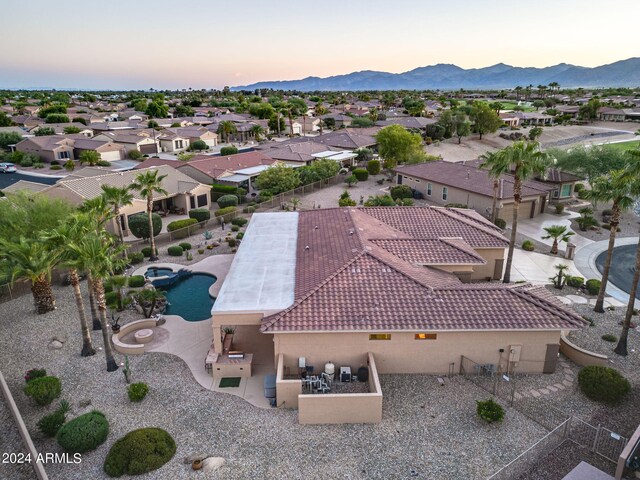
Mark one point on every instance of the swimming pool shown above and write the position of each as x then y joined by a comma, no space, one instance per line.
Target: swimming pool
158,272
189,297
623,266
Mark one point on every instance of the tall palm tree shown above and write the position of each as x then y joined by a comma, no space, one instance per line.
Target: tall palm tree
524,160
31,259
486,158
117,197
614,188
559,233
62,237
226,128
101,256
257,131
148,183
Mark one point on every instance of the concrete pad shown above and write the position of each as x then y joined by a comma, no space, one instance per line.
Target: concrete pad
578,299
534,228
585,471
565,300
537,268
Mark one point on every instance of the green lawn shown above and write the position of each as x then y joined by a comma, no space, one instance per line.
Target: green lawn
631,144
512,105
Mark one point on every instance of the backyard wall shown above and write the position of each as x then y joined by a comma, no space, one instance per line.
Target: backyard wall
580,356
344,408
287,391
404,354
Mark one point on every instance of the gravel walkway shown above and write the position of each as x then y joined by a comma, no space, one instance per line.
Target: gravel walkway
426,428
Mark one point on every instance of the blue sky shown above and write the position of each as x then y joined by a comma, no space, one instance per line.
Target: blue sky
210,44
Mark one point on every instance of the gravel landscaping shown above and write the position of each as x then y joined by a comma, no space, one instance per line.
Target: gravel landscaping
429,429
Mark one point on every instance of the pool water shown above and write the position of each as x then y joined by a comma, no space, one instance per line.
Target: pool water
189,297
623,266
158,271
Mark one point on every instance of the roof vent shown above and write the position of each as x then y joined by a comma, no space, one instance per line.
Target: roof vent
307,247
316,227
351,232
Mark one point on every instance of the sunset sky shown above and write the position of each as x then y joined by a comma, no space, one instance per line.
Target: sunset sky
141,44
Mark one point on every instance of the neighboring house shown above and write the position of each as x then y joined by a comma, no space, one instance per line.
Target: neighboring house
510,119
58,128
300,153
340,119
346,139
108,150
570,110
608,114
535,118
455,183
563,183
383,288
183,192
171,141
62,148
410,123
99,127
144,141
193,134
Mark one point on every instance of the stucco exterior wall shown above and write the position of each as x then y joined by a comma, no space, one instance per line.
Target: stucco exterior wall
287,391
404,354
494,266
197,174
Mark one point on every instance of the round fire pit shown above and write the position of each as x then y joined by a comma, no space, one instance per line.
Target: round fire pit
144,335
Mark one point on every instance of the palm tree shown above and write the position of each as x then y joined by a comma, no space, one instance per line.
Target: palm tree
66,234
148,183
148,299
116,197
615,188
524,160
225,129
101,257
257,131
32,260
559,233
486,158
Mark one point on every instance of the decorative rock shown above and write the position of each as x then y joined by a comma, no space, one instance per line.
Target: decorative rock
55,345
211,464
192,458
60,338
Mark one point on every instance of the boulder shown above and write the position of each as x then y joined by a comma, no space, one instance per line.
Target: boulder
55,345
212,464
196,456
60,338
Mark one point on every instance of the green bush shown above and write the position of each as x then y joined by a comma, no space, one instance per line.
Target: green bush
56,167
138,257
575,282
528,246
103,163
500,223
139,451
226,151
225,214
607,337
136,281
239,236
146,251
559,208
182,228
185,246
218,190
50,424
361,174
34,373
373,167
603,384
606,212
235,228
200,214
175,251
401,191
137,391
228,201
380,201
232,242
134,155
43,390
456,205
249,209
490,411
198,145
139,225
84,433
593,286
578,187
111,298
239,221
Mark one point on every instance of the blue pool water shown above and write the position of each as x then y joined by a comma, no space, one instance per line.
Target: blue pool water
158,272
189,297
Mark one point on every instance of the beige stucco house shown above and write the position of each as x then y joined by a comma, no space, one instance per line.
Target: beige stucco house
63,148
387,289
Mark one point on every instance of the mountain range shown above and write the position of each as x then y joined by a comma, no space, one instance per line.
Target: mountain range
625,73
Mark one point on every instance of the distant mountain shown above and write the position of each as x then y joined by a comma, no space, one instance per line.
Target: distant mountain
625,73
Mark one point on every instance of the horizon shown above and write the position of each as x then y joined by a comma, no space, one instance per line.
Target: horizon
146,45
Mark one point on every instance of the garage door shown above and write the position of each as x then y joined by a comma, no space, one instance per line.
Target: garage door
111,156
150,148
506,212
212,142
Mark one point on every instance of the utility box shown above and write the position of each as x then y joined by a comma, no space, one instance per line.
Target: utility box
514,353
570,252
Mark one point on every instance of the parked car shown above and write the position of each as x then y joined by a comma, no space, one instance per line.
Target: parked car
7,168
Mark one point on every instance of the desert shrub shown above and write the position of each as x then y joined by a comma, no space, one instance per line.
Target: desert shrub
249,209
373,167
578,187
401,191
137,391
34,373
575,282
199,145
239,221
500,223
50,424
103,163
380,181
235,228
56,167
528,246
201,251
603,384
134,155
137,257
218,190
43,390
136,281
607,226
593,286
404,202
111,298
361,174
139,451
228,201
380,201
225,214
146,251
457,205
38,165
490,411
606,212
139,225
559,208
200,214
232,242
84,433
345,200
185,246
607,337
175,251
230,150
182,228
239,236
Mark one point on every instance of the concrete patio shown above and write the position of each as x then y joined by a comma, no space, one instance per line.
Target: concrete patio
534,229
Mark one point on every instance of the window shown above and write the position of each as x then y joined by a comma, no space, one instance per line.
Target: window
416,180
192,202
179,143
445,193
63,155
380,336
429,189
556,193
202,200
566,190
425,336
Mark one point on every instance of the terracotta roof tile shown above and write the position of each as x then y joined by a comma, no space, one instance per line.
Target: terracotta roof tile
432,251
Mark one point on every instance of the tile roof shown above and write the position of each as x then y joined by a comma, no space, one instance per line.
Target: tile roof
214,165
435,251
297,152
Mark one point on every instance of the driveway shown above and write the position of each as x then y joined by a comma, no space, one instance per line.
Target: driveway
534,228
537,268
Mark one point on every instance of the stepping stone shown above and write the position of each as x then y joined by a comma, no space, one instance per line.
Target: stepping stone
544,391
577,299
567,383
568,371
559,386
535,393
552,389
565,300
517,396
